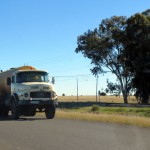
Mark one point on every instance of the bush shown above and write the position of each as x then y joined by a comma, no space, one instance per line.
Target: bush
103,94
95,108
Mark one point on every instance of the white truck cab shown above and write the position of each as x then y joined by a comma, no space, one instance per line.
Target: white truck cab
28,91
32,85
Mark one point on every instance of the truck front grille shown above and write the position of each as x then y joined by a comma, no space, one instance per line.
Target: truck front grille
40,94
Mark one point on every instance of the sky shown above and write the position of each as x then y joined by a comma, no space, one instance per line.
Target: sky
43,34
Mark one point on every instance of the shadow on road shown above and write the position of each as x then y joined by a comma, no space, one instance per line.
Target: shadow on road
9,118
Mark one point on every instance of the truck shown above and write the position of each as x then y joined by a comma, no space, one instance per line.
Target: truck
26,90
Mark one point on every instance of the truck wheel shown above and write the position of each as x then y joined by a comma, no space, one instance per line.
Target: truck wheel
14,110
1,112
4,111
50,111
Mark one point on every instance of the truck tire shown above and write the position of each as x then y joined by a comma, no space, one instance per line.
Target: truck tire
3,110
14,109
50,111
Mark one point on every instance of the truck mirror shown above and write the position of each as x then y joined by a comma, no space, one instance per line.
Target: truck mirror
8,81
53,80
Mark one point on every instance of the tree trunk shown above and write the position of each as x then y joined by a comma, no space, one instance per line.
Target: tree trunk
124,90
125,96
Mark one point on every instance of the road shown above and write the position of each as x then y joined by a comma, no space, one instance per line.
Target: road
34,133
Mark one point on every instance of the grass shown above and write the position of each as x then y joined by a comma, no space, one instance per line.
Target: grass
109,118
120,115
126,111
145,112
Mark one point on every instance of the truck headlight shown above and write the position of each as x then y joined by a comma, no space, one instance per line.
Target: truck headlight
54,96
26,94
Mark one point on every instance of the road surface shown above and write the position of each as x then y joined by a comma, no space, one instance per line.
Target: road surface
35,133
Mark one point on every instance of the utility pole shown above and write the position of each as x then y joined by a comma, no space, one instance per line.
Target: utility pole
96,86
99,94
77,89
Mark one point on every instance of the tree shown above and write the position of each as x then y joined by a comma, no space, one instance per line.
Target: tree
105,47
113,88
102,94
63,94
137,41
138,53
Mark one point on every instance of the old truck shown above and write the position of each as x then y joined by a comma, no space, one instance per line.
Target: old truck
25,91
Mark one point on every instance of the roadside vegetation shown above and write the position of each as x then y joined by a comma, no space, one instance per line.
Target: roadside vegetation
138,116
124,111
120,115
108,118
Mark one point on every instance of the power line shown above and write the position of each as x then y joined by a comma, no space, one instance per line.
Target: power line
72,76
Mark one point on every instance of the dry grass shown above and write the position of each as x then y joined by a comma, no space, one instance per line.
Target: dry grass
101,117
129,120
109,99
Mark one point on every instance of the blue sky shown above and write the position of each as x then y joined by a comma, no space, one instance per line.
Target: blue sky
43,33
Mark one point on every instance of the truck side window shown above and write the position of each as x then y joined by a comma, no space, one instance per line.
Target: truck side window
13,79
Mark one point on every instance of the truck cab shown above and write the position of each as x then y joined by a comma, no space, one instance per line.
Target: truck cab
31,92
32,86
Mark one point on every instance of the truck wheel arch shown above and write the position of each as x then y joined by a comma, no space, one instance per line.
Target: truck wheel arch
14,97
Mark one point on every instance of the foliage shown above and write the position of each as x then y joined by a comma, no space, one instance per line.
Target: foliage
95,108
138,41
113,88
103,94
122,46
138,53
105,47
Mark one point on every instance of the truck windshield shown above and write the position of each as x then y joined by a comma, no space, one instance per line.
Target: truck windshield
32,77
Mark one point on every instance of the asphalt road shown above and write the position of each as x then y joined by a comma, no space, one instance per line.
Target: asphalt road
59,134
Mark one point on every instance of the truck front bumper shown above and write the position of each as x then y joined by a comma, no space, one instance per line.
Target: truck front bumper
35,102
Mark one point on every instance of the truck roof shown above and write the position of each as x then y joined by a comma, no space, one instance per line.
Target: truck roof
17,71
11,71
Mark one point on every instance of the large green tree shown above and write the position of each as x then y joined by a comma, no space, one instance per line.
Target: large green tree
105,47
137,46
